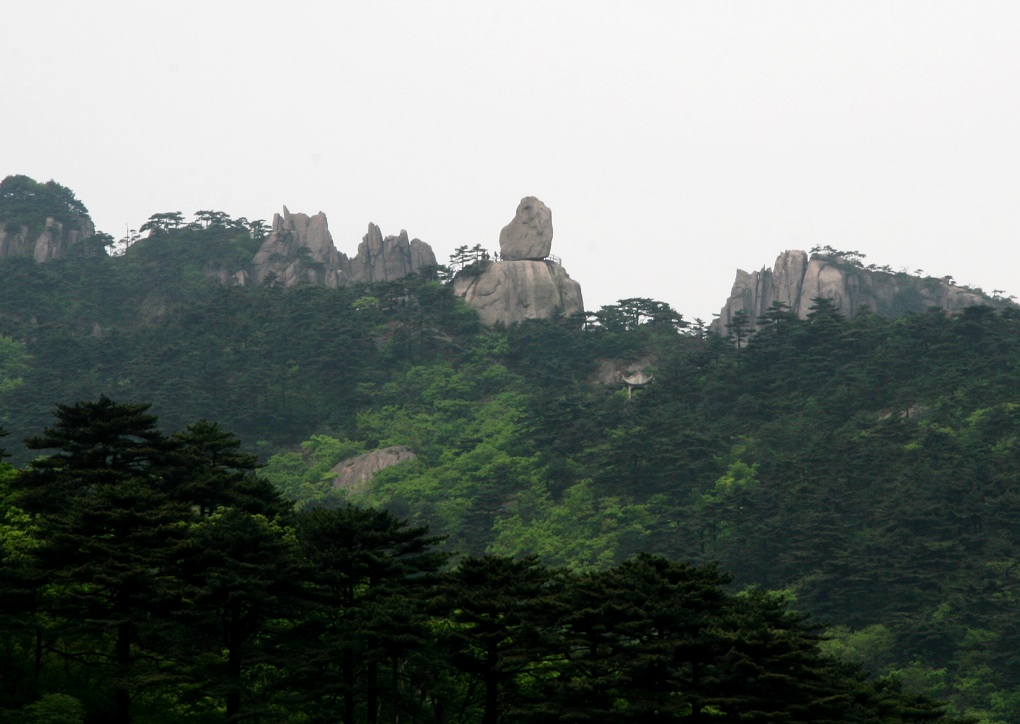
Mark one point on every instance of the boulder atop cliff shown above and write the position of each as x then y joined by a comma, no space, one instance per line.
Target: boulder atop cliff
529,235
523,284
797,279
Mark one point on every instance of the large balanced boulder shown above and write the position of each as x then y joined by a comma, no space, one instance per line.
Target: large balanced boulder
523,284
529,235
512,291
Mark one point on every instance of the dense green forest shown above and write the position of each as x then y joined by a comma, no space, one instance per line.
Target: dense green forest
861,471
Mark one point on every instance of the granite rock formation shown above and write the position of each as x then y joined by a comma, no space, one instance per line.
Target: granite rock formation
523,284
394,257
529,235
52,242
354,474
300,250
512,291
797,279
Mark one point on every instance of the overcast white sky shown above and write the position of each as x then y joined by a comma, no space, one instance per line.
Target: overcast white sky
674,141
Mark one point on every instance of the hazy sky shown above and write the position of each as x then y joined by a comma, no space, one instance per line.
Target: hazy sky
674,142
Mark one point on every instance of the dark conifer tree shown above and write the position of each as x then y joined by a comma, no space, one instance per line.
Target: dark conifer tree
214,472
240,574
369,576
108,527
495,607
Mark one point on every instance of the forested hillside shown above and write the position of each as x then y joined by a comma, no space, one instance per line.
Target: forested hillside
863,471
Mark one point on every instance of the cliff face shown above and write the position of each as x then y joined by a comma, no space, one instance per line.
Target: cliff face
797,279
51,243
300,249
512,291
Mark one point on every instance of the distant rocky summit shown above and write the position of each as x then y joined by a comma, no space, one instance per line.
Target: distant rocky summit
385,259
300,249
52,242
40,220
525,283
798,278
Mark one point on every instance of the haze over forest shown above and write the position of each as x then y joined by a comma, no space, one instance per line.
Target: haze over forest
616,515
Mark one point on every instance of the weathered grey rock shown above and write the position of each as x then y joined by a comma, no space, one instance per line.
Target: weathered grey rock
512,291
422,255
300,249
354,474
529,236
388,259
52,242
796,280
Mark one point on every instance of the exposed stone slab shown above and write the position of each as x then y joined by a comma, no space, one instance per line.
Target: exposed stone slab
354,474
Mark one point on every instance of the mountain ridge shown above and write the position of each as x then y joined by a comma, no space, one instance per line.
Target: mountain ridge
798,278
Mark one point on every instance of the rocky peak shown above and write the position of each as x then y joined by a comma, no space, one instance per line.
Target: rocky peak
797,279
40,220
523,284
394,257
52,242
300,249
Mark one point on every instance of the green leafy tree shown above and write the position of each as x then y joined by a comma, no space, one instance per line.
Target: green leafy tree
25,202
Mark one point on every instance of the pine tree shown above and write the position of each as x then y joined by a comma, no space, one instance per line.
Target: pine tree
108,527
368,575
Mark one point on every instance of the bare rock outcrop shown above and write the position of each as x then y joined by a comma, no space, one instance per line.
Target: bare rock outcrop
523,284
52,242
529,235
354,474
797,279
512,291
394,257
300,249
